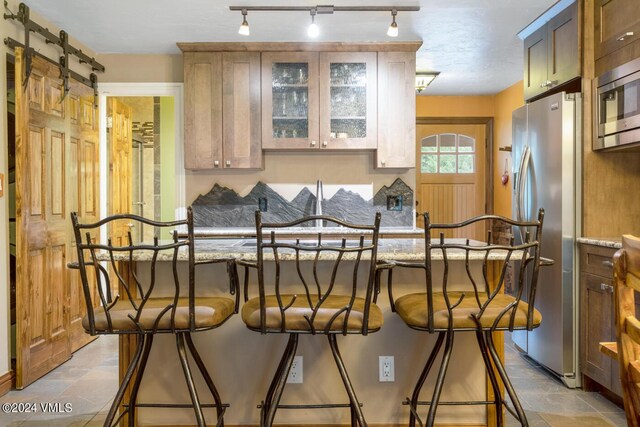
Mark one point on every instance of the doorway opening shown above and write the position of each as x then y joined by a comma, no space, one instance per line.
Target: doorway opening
141,158
141,138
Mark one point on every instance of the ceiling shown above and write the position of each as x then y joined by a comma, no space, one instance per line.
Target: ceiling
472,43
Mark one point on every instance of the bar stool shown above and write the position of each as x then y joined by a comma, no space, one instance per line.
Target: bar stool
332,299
483,309
627,349
141,311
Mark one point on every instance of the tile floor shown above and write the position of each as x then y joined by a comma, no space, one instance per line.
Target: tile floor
546,401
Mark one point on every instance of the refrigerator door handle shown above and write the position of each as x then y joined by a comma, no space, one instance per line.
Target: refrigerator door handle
524,162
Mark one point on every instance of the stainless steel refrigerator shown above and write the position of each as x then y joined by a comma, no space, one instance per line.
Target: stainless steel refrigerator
546,154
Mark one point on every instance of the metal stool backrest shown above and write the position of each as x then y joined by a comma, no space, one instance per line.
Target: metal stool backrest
627,283
310,286
99,262
525,253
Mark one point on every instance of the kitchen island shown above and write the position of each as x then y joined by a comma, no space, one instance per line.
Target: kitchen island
242,362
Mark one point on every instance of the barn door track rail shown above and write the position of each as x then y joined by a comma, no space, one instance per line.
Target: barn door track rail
62,41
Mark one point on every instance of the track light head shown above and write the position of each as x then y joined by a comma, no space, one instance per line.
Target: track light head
244,27
393,28
313,30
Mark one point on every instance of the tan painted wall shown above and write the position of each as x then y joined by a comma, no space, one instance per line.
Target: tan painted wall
141,68
15,31
505,102
455,106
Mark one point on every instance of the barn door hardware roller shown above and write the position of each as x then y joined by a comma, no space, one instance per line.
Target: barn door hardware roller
61,40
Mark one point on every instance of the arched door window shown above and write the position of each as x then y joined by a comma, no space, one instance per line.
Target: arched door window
448,153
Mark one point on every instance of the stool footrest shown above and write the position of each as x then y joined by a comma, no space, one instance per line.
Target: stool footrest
472,402
175,405
319,406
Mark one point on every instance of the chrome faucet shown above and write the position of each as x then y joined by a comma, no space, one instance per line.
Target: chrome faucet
319,197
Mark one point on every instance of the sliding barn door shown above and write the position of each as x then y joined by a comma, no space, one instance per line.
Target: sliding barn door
56,173
83,196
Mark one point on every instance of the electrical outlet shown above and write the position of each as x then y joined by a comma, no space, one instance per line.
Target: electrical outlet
394,202
295,373
263,204
387,374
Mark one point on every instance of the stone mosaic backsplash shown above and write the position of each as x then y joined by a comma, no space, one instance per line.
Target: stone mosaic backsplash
224,207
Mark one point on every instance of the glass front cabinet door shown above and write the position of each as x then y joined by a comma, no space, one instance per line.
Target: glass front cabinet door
290,100
323,100
348,100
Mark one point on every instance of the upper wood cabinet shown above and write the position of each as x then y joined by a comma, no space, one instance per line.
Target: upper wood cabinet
242,98
319,100
617,24
551,54
222,110
396,110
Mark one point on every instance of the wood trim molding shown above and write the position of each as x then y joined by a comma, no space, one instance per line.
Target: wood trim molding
488,122
299,47
6,382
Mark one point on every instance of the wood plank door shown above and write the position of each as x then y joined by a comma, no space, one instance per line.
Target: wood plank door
49,147
450,174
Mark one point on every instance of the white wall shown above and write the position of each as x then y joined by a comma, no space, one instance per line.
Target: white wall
14,30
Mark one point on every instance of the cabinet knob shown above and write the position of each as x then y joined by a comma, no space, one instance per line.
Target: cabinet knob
607,264
313,143
383,163
228,163
216,163
324,143
606,288
624,36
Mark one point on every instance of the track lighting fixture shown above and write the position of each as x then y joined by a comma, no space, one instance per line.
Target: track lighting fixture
244,27
313,30
393,28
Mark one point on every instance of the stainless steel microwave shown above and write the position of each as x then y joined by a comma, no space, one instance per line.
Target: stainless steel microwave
617,107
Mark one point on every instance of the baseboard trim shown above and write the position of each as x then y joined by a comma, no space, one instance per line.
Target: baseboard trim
6,382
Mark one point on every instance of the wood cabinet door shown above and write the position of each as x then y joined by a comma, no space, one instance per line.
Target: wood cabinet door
535,63
396,110
202,110
617,24
596,308
241,118
348,100
563,62
290,117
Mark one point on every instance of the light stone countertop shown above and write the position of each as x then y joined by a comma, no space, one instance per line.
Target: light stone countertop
222,232
607,242
388,249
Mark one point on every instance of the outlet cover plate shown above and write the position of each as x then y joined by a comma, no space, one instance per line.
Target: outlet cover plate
295,373
387,369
